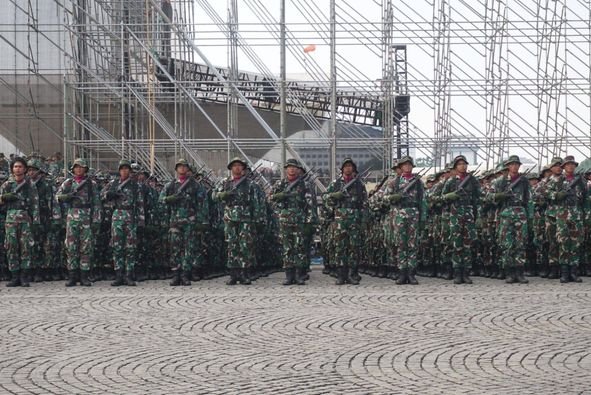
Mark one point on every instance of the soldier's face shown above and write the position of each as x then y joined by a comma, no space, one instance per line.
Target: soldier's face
514,168
569,168
32,172
79,171
348,169
292,171
406,167
141,177
556,170
461,167
533,182
18,169
237,169
182,170
124,172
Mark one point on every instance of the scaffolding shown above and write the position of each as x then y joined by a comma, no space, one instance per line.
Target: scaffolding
137,81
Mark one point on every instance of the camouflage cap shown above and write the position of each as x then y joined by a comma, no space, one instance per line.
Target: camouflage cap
293,163
136,167
556,161
181,162
459,158
124,163
237,160
346,161
35,163
79,162
431,177
406,159
512,159
533,176
569,159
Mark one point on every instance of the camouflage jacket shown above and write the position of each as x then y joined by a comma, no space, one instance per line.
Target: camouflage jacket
354,202
469,193
86,199
26,208
192,205
299,204
517,196
575,189
128,201
411,189
244,203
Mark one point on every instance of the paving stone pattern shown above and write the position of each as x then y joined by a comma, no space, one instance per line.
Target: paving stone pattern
376,338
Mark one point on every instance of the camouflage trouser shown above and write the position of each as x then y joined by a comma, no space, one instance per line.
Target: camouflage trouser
390,241
3,264
293,245
52,248
446,242
569,235
79,242
240,239
198,248
347,238
124,245
18,244
181,238
512,237
462,233
406,228
38,258
540,241
552,240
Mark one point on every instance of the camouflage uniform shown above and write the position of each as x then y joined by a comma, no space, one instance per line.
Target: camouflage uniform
83,219
512,196
296,209
566,197
462,204
45,191
127,216
22,216
243,213
405,194
4,272
350,213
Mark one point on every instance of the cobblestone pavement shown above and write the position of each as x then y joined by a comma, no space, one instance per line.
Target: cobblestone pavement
374,338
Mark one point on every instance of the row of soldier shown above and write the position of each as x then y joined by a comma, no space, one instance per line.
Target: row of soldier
456,226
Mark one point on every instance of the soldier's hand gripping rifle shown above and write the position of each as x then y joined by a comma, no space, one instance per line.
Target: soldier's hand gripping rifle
358,177
224,195
396,197
13,196
280,196
460,188
570,190
508,191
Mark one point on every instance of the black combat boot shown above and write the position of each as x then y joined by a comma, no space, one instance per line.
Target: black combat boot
289,276
56,274
520,275
118,279
244,277
402,277
300,276
411,277
574,275
197,273
349,279
84,280
466,276
510,275
553,273
326,269
25,278
186,278
564,274
494,271
72,277
15,281
38,276
176,278
355,273
233,277
448,274
129,278
341,275
457,274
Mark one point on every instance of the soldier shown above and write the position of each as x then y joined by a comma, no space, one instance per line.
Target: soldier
20,197
296,209
4,272
45,192
188,207
555,167
348,197
511,194
243,211
80,196
566,194
405,195
4,166
127,217
461,193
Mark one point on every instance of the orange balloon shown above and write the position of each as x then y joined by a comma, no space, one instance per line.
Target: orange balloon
310,48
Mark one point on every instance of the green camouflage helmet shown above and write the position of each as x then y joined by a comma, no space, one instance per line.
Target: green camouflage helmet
35,163
136,167
569,159
79,162
181,162
124,163
556,161
293,163
237,160
457,159
406,159
349,160
512,159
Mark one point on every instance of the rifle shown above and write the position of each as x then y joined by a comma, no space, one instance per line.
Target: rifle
460,188
345,188
510,187
415,180
74,194
303,177
249,175
570,189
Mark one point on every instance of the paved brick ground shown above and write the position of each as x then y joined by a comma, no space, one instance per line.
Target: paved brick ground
374,338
